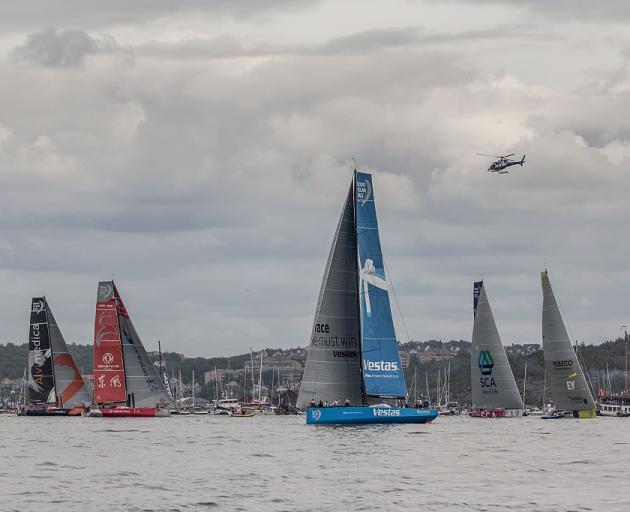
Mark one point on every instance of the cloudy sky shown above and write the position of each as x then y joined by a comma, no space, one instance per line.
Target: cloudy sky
200,155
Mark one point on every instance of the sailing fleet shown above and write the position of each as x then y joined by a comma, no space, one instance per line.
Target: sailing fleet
353,372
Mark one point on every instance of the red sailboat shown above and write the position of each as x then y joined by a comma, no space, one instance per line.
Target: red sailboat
126,383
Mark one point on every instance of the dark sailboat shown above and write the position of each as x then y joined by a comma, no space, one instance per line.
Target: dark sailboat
55,384
353,356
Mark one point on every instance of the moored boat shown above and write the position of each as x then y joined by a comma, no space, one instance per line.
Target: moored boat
353,356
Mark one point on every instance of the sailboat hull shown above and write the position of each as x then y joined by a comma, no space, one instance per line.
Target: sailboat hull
127,412
359,415
496,413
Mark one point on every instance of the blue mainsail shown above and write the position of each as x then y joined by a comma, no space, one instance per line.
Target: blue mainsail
382,369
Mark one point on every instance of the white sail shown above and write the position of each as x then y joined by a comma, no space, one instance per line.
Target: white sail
565,378
492,381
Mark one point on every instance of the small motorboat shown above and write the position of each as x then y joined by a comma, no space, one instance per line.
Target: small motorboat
555,415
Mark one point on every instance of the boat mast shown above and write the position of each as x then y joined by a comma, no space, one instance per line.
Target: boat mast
524,382
193,390
260,378
426,381
625,339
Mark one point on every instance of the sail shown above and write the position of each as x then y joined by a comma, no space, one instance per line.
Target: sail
382,369
69,384
492,382
565,378
109,372
333,367
144,385
164,374
41,381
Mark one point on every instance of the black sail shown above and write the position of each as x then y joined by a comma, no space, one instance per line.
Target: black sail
333,367
41,379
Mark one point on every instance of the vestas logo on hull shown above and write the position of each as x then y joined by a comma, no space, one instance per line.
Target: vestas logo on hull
386,366
386,412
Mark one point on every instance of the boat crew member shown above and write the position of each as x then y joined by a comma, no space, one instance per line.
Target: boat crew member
347,402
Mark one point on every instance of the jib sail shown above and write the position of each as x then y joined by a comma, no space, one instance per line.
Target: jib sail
382,369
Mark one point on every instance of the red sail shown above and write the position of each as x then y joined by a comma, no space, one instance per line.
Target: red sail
109,370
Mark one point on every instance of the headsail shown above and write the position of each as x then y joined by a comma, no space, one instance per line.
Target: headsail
333,367
565,378
492,380
382,368
41,380
164,374
69,384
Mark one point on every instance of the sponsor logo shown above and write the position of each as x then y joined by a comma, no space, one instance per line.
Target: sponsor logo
324,328
364,191
385,412
316,414
385,366
108,358
563,363
37,306
335,341
485,362
105,291
344,353
488,385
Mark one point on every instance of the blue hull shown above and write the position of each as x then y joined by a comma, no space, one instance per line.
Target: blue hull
359,415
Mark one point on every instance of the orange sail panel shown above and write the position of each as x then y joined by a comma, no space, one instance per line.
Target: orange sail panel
109,371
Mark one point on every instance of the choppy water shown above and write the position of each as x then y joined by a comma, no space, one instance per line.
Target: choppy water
278,463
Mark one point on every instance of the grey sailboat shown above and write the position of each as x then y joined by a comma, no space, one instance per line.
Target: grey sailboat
494,390
567,385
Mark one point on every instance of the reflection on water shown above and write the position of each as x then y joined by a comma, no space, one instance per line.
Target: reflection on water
277,463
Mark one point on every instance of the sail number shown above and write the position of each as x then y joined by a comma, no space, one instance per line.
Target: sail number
323,328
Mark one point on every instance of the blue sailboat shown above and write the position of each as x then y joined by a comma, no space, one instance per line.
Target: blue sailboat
353,373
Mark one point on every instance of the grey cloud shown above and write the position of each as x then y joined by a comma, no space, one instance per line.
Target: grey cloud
211,190
563,10
24,14
62,48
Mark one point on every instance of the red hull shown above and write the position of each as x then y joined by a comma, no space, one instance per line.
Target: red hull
128,412
490,413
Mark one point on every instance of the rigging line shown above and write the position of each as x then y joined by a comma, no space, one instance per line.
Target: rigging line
402,317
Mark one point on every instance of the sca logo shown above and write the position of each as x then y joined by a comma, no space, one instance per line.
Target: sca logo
485,362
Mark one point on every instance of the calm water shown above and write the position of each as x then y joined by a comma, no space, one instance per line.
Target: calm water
278,463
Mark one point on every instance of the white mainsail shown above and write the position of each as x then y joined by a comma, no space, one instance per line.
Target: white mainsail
565,377
492,381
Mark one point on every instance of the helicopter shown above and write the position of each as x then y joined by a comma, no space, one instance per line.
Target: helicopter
503,162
